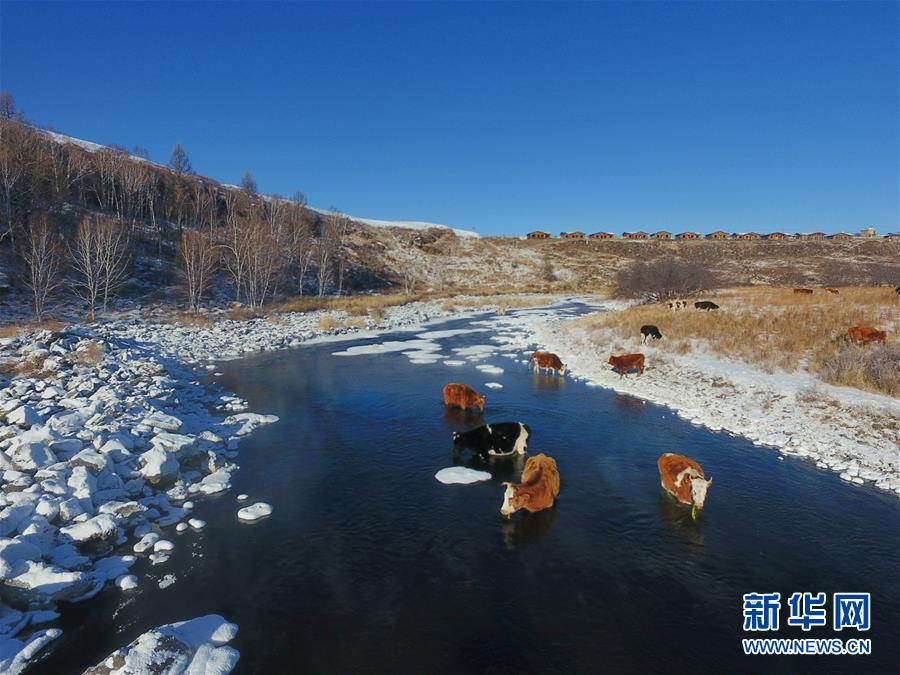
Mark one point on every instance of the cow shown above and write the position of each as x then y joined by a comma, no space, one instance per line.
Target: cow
897,290
683,478
538,489
548,361
463,396
626,362
502,439
706,304
803,291
863,335
649,331
676,305
833,291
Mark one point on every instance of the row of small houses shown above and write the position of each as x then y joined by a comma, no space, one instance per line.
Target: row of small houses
719,234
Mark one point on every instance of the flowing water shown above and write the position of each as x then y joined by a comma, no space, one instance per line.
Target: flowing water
368,564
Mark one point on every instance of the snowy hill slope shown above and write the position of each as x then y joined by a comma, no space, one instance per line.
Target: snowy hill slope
406,224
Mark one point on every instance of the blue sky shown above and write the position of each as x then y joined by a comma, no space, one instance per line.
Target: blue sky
499,117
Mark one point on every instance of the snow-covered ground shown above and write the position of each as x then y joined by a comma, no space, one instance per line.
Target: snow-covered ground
107,442
851,432
406,224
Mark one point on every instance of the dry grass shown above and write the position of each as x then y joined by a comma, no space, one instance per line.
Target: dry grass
376,315
90,354
190,319
776,328
329,322
14,329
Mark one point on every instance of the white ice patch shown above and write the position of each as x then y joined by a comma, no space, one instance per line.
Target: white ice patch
254,512
440,334
489,369
461,475
493,385
454,362
475,352
390,346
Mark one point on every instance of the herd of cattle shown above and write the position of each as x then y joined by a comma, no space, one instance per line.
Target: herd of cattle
680,476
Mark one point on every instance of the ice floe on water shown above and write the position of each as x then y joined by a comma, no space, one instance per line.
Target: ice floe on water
454,362
475,352
194,646
489,369
441,334
493,385
390,346
461,475
254,512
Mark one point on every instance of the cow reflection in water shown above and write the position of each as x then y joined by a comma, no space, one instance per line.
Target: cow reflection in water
547,382
678,520
531,528
463,419
630,404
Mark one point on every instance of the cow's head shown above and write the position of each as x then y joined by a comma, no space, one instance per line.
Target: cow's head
699,486
513,500
615,363
479,402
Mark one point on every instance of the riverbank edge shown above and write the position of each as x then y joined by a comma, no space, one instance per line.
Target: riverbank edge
779,411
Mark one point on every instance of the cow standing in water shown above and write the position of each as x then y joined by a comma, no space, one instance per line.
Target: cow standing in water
500,439
463,396
548,361
538,489
683,478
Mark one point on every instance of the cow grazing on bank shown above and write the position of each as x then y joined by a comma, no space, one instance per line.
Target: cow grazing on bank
463,396
626,362
538,489
494,440
683,478
863,335
650,332
676,305
548,361
706,304
803,291
833,291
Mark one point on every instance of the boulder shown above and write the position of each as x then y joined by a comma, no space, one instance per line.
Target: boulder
193,646
158,465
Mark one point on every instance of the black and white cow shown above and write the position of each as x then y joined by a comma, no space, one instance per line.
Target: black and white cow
706,304
494,440
650,331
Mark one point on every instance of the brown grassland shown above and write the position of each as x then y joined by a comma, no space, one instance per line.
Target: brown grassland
776,328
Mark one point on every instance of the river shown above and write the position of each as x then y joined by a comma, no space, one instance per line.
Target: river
368,564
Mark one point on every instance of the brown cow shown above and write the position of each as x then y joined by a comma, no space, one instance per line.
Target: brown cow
548,361
833,291
683,478
538,489
803,290
463,396
622,364
863,335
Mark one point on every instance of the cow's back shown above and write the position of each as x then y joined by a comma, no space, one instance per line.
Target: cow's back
671,466
461,395
541,479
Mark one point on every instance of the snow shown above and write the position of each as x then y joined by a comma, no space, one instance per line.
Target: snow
254,512
406,224
461,475
493,385
191,647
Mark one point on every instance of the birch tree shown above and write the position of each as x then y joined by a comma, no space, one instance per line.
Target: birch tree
198,256
42,253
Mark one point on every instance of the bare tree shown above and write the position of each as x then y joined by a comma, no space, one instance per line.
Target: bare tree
407,258
16,146
664,278
179,162
42,253
236,239
198,256
99,253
